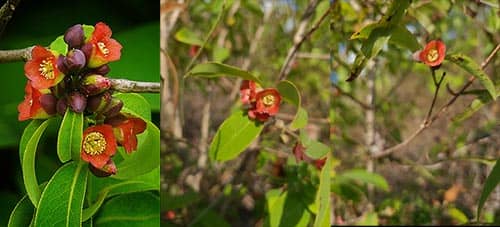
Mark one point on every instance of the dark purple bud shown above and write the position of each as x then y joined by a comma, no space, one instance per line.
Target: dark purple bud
98,103
48,103
102,70
74,36
113,108
107,170
61,66
61,106
94,84
77,102
75,60
115,120
87,50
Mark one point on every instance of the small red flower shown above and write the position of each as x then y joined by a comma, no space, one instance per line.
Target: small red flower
31,107
42,68
98,145
126,128
247,91
193,50
267,104
104,48
433,53
319,163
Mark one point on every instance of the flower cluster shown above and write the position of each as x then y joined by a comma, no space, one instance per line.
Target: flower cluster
433,53
300,155
77,81
263,103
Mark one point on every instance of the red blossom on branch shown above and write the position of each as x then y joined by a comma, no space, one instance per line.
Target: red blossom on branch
98,145
42,68
433,54
102,47
32,107
267,104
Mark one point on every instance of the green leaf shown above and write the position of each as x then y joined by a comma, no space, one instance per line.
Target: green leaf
323,195
22,214
471,67
145,159
365,32
314,149
458,215
300,120
87,31
220,54
59,46
490,184
214,69
28,163
186,36
366,177
27,134
118,211
476,104
69,138
233,136
135,104
89,211
62,199
346,189
368,219
285,209
402,37
291,94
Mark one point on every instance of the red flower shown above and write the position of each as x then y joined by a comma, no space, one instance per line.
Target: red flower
31,107
98,145
104,48
267,104
319,163
193,50
433,53
42,68
126,128
247,91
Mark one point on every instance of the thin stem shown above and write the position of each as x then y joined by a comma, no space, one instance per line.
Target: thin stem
438,85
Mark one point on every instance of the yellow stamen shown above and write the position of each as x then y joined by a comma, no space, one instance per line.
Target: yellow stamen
94,143
268,100
433,55
47,69
102,48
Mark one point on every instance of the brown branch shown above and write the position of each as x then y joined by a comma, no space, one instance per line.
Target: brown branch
300,37
442,110
6,13
123,85
354,99
15,55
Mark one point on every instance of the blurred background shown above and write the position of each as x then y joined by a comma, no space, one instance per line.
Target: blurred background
134,24
435,179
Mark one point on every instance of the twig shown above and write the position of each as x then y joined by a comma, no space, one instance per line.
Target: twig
15,55
123,85
285,69
438,86
6,13
442,110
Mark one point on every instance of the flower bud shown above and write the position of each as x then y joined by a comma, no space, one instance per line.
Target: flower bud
94,84
77,102
87,50
107,170
48,103
102,70
74,36
74,60
98,103
113,108
61,66
61,106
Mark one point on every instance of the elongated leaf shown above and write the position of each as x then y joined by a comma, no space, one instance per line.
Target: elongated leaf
27,134
366,177
476,105
186,36
323,195
471,67
402,37
22,214
314,149
291,94
62,199
214,69
119,212
286,210
136,104
233,136
147,156
458,215
69,138
88,212
490,184
28,164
